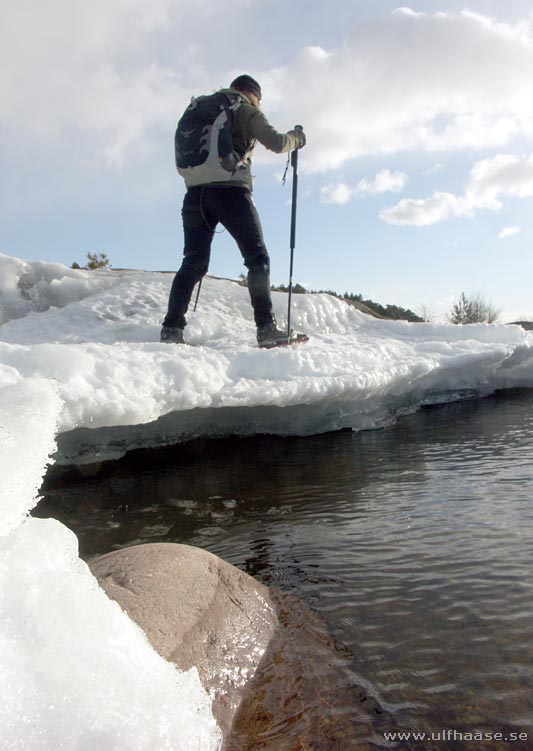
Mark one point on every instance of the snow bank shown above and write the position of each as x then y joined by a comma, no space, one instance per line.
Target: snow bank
80,362
30,411
103,354
34,285
76,672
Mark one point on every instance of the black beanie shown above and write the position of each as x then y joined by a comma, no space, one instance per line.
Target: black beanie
246,83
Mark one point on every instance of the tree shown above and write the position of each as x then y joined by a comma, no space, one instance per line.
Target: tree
473,309
298,289
96,261
426,313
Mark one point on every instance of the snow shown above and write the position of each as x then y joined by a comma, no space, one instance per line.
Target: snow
30,410
75,672
84,377
97,341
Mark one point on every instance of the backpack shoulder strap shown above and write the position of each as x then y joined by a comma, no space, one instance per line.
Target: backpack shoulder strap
233,98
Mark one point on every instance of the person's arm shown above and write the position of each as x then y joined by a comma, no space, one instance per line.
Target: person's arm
261,130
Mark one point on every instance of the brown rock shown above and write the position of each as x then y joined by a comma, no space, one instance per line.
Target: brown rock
195,609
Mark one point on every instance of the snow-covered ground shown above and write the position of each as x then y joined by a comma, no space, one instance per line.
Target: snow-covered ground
81,366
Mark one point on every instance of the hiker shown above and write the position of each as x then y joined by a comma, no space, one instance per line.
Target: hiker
219,189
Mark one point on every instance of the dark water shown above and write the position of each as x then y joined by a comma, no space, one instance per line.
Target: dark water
413,545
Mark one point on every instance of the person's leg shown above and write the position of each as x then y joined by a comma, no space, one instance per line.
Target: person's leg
198,229
236,211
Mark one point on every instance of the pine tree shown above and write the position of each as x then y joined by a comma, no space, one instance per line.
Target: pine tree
472,310
95,261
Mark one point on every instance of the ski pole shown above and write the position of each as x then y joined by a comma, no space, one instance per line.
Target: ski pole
294,163
198,294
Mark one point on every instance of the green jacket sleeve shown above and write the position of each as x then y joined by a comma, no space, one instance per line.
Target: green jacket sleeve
261,130
253,126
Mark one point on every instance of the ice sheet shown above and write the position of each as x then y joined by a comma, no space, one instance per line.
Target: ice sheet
103,353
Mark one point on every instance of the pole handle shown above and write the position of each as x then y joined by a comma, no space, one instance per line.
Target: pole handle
294,154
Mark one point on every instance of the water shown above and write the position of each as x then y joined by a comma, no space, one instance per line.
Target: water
413,545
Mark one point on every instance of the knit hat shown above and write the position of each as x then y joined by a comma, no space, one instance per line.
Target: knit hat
246,83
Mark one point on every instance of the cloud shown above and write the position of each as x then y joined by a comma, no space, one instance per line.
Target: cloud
421,212
119,71
384,182
434,169
339,193
72,67
503,174
489,181
412,81
509,232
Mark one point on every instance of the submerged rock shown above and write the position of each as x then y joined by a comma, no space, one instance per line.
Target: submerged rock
305,693
196,610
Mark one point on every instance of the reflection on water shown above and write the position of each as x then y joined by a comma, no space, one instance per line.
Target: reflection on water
413,544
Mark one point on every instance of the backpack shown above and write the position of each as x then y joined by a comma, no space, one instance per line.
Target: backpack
203,142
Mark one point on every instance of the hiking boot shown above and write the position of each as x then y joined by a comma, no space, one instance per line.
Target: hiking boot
270,336
172,335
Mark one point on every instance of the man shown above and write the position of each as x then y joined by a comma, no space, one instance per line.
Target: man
224,196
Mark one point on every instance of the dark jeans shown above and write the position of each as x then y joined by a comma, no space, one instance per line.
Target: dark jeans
203,208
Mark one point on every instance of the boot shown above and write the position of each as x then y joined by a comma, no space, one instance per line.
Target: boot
270,336
172,335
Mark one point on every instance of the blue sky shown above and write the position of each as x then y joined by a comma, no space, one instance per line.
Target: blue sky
416,183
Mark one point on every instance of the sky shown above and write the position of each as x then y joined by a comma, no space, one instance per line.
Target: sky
415,184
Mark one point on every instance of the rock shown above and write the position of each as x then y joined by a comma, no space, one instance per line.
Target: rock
304,694
196,610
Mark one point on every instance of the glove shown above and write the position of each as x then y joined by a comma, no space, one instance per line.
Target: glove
300,136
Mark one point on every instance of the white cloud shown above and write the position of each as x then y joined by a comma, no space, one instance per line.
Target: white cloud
338,193
71,66
384,182
434,169
489,181
421,212
424,81
118,70
502,174
509,232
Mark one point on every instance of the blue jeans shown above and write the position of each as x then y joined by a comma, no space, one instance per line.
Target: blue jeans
203,208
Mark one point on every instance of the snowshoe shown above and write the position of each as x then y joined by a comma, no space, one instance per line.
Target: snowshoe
270,336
